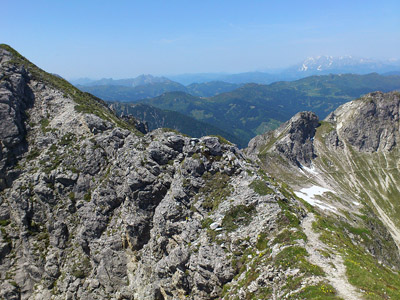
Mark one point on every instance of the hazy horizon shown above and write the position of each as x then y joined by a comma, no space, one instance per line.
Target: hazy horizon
272,71
100,39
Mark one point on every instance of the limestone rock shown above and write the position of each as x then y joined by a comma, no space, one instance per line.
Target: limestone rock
293,139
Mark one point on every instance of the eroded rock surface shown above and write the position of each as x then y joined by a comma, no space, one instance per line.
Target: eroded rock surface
293,139
91,209
370,124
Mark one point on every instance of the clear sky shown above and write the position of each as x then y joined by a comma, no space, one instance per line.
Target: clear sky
120,39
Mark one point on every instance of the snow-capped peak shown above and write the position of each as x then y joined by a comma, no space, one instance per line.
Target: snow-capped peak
326,63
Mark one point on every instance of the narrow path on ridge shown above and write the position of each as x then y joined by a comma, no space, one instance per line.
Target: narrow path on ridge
333,265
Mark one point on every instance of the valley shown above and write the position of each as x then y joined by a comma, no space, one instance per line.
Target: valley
249,109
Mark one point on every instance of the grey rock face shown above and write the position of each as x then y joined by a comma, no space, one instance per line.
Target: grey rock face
96,124
369,124
95,211
353,153
297,146
140,126
293,139
15,98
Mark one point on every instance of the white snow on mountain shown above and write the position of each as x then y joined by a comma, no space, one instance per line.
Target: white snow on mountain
326,63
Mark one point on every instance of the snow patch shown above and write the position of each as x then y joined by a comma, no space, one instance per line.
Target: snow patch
308,194
356,203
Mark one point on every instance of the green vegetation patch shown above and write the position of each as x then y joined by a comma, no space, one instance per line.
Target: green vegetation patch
88,196
271,141
287,237
55,162
262,241
205,223
238,215
247,267
261,187
5,222
222,140
44,125
295,257
362,269
82,268
322,291
172,130
34,153
68,139
324,128
215,190
288,216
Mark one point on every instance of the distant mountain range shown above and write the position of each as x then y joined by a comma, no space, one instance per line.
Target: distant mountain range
154,88
318,65
123,93
343,64
130,82
161,118
239,78
253,108
240,111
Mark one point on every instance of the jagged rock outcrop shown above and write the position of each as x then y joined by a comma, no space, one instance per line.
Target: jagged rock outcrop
15,98
370,124
140,126
293,139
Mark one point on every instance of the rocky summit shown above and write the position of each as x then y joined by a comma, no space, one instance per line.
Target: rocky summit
92,206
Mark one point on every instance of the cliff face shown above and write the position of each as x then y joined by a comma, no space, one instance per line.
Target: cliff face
293,139
369,125
15,98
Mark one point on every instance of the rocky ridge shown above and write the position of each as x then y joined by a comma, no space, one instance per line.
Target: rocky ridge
92,208
293,139
351,176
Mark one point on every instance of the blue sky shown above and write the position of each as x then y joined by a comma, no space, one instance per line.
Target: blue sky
123,39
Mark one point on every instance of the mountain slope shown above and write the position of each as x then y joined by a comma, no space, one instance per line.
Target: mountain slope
239,78
92,209
211,88
347,166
